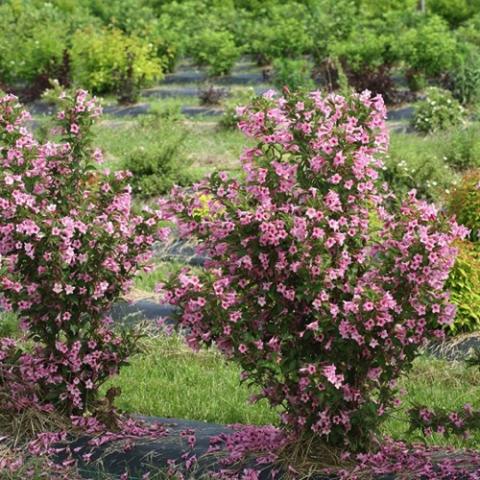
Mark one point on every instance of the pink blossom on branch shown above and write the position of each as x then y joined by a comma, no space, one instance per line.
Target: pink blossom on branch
327,312
71,241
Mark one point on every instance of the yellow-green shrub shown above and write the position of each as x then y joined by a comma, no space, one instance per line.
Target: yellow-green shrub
464,286
464,203
108,60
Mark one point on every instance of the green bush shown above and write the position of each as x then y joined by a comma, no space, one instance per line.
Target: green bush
110,61
428,49
416,162
180,22
464,286
161,162
140,19
469,32
367,57
33,42
281,31
294,74
215,50
454,12
331,21
464,79
460,147
438,111
464,203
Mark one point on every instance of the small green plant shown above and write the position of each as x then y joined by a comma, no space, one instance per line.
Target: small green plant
461,147
109,61
464,286
294,74
210,94
216,50
438,111
464,203
160,164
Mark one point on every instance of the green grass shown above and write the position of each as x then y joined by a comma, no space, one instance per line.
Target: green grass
437,383
172,381
9,326
211,148
205,147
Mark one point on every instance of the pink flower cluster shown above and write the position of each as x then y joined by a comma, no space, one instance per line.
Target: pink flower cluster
414,461
317,288
445,422
70,243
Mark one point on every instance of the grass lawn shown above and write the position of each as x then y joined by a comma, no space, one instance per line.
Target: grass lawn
172,381
205,146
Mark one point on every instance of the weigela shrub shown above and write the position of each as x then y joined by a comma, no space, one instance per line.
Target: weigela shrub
444,422
322,313
162,162
439,111
70,243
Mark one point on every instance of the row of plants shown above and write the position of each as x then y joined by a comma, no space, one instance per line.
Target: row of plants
123,46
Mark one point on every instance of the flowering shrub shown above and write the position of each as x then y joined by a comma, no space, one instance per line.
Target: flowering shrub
438,111
70,243
320,315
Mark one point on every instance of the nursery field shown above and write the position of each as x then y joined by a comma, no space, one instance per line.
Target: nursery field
239,240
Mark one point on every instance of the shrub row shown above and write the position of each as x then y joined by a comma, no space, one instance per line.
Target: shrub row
121,46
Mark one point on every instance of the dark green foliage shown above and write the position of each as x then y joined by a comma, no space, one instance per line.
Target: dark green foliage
428,48
215,50
464,81
461,147
282,31
161,162
455,12
294,74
